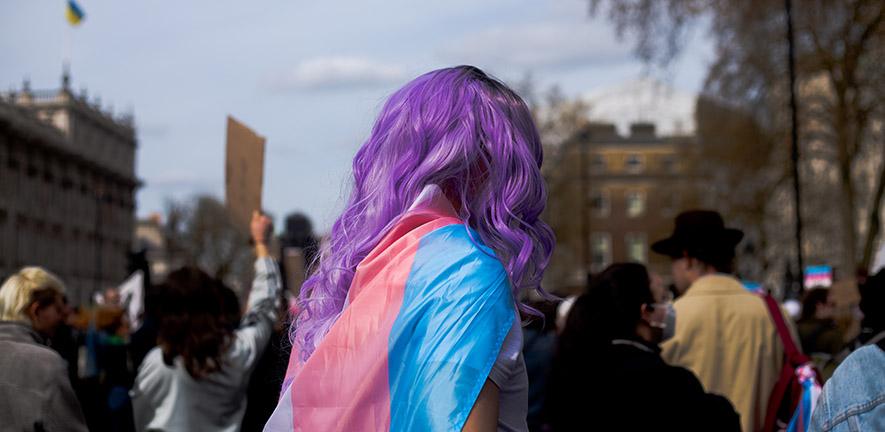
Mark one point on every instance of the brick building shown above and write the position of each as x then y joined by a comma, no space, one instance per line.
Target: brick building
611,196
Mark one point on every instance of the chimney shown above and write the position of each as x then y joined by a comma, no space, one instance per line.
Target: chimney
642,131
600,131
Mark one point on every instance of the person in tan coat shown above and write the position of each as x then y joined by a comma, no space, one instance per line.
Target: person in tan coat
724,333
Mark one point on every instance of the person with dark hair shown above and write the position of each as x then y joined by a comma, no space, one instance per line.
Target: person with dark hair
725,334
872,305
608,373
854,398
539,343
818,332
195,379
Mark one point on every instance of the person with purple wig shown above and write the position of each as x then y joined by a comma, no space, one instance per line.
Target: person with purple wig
410,318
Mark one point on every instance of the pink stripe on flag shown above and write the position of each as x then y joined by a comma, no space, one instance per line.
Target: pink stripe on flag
344,385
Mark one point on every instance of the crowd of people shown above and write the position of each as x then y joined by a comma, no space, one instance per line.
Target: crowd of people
411,316
85,371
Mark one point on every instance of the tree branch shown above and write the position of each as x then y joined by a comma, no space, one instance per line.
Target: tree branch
874,220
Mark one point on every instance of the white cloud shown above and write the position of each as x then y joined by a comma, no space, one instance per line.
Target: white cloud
539,45
338,72
645,100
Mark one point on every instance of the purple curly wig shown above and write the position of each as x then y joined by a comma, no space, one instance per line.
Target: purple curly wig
471,135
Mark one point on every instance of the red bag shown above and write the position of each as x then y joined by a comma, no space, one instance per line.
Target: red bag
787,391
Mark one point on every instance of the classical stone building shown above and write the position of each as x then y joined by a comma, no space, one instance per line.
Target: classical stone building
611,196
67,188
150,238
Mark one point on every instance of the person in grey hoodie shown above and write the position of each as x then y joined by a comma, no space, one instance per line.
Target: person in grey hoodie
35,391
196,378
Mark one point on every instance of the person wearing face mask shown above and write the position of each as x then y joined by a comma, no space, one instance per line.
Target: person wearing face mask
608,373
35,392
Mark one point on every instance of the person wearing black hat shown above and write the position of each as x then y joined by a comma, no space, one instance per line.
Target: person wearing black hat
724,333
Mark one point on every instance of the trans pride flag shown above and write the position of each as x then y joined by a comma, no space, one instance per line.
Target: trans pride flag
424,321
811,390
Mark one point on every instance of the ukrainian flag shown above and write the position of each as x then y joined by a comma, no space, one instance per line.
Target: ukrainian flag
74,13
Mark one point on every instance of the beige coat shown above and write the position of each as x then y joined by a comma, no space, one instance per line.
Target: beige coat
725,335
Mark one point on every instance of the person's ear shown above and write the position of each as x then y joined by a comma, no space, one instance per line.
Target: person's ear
32,311
645,312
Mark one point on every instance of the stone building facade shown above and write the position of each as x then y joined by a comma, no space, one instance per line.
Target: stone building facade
150,237
67,188
611,196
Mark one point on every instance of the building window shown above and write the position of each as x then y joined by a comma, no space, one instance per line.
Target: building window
636,247
668,204
600,250
669,164
597,164
634,163
600,203
635,204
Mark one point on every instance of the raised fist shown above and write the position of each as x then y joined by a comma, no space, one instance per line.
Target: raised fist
260,227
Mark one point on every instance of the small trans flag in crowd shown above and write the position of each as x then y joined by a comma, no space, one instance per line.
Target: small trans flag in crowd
810,392
74,13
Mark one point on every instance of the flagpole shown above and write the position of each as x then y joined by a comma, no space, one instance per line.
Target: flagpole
66,46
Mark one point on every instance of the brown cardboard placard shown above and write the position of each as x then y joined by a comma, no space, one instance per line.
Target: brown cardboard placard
243,172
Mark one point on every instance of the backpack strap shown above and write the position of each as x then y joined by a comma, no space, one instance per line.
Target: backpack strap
794,355
786,383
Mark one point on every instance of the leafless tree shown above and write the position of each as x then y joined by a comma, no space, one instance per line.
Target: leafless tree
839,49
200,232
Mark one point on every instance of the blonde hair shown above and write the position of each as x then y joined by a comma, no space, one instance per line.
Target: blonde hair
23,289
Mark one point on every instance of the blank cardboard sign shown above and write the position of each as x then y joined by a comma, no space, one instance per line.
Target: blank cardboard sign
243,172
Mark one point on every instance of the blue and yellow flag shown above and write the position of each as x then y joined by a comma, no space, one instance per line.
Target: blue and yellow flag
74,13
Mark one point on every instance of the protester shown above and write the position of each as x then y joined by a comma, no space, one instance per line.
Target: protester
854,398
608,373
196,378
820,336
144,337
410,321
35,392
104,388
263,390
65,341
872,305
539,345
725,334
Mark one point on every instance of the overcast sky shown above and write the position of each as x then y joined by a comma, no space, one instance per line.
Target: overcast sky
310,76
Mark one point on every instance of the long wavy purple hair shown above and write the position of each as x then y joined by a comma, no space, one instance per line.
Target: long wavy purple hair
475,138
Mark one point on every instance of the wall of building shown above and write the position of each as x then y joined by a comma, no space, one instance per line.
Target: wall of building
611,197
67,190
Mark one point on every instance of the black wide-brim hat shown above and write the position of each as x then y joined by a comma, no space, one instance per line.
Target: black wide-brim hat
699,230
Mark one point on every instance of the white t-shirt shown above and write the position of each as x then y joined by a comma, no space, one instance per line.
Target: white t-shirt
509,375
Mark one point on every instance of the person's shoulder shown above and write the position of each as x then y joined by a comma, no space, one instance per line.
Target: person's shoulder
867,354
711,410
459,245
681,379
856,390
860,364
41,356
452,263
45,367
153,363
30,349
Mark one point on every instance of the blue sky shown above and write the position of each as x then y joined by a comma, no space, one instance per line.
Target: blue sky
310,76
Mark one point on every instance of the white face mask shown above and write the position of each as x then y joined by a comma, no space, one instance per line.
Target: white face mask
668,326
